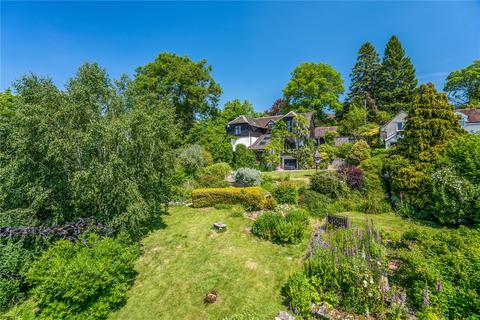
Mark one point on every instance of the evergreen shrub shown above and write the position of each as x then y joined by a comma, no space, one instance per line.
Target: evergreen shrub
251,198
286,192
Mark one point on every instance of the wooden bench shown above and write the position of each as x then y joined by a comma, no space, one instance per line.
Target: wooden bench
338,221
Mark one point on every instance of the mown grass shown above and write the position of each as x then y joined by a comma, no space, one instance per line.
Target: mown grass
390,223
187,259
293,174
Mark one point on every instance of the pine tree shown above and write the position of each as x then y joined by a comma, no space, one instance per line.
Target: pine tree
363,79
397,80
430,124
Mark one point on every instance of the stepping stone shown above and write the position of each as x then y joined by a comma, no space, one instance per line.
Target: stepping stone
220,226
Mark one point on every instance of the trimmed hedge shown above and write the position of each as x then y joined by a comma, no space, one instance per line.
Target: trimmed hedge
252,198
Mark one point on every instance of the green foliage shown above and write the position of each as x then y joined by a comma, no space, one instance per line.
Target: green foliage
188,84
353,119
7,111
248,177
89,150
193,158
463,154
214,175
83,280
364,77
14,263
314,87
463,86
244,157
430,125
449,256
396,79
281,229
286,192
360,151
300,293
252,198
343,150
329,184
455,200
316,203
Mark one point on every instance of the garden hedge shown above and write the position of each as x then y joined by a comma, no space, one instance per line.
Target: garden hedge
252,198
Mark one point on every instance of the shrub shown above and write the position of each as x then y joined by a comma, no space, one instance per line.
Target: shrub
193,157
214,176
328,183
352,175
360,151
244,157
14,262
455,199
343,150
251,197
300,292
286,192
316,203
265,224
463,154
247,177
83,280
281,229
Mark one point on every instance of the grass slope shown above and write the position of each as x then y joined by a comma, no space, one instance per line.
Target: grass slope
184,261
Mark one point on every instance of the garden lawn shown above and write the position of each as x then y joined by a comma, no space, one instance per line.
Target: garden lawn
187,259
390,223
294,174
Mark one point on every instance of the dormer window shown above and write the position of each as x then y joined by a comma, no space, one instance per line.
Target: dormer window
270,124
400,126
238,130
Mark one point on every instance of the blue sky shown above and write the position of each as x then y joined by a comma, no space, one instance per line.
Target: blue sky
252,46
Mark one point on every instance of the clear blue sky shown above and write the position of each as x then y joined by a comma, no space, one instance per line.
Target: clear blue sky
252,46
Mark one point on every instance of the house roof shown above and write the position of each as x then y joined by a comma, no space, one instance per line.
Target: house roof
321,131
261,142
396,117
262,122
473,115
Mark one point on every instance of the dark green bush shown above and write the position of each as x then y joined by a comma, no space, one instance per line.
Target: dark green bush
83,280
329,184
14,263
244,157
286,192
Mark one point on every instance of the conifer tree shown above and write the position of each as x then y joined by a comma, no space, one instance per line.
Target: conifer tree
397,80
363,79
430,124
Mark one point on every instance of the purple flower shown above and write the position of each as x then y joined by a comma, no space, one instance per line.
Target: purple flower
335,249
439,285
426,297
403,297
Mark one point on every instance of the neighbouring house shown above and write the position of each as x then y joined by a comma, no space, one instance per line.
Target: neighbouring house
469,119
392,131
255,134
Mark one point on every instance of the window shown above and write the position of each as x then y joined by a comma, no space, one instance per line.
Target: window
290,125
400,126
270,124
238,130
462,123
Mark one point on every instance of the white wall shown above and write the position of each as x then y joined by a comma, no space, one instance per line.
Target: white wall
472,127
246,141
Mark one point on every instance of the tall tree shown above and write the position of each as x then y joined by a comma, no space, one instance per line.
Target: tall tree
463,86
364,77
314,87
397,79
430,125
277,108
7,110
188,84
75,153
